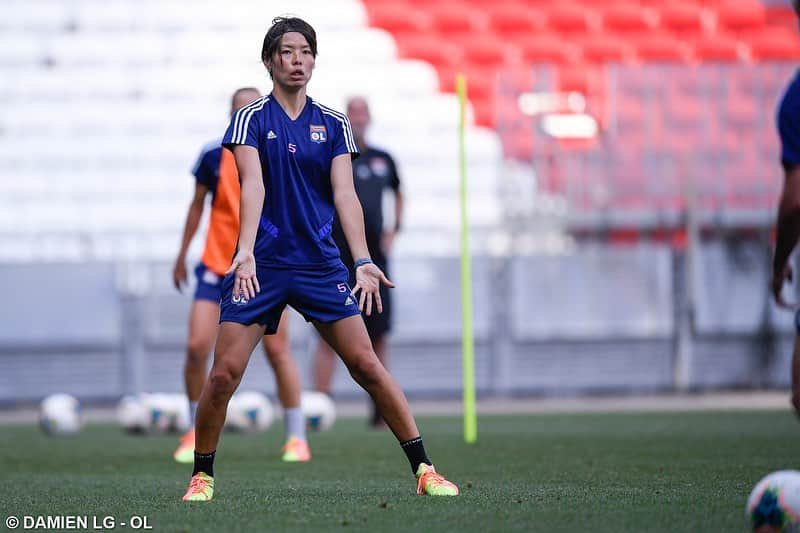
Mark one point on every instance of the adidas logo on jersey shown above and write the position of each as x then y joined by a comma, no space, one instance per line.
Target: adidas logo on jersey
271,135
349,301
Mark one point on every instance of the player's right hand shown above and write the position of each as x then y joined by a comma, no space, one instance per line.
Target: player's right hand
179,274
244,267
778,279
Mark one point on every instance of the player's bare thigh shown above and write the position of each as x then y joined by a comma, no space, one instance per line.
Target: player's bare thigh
203,318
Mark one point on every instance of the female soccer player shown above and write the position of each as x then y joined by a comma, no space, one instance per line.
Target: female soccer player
294,160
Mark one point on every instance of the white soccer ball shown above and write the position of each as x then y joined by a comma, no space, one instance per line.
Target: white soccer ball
133,414
165,412
60,414
774,503
249,411
319,410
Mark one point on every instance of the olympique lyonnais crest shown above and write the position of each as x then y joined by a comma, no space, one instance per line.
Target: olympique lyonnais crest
319,134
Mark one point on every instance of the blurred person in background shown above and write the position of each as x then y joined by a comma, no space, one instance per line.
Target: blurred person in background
788,223
373,173
294,157
215,173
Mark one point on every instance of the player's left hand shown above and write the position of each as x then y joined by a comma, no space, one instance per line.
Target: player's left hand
244,269
368,280
179,274
778,279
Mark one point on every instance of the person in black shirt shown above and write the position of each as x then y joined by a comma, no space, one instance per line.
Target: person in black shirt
373,173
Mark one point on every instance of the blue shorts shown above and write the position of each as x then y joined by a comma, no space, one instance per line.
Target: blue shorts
320,295
209,284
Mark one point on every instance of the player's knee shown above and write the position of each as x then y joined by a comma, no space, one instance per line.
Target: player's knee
366,369
197,351
223,381
279,355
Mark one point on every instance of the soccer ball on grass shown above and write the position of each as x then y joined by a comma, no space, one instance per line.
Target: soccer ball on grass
60,414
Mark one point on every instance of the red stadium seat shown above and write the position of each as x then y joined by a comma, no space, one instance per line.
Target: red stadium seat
431,49
718,47
510,5
628,18
513,21
547,48
574,78
487,50
682,18
481,81
776,44
447,77
399,20
741,15
483,110
376,4
462,21
783,16
570,18
662,48
600,48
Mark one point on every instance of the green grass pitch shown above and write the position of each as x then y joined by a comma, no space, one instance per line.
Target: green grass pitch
613,472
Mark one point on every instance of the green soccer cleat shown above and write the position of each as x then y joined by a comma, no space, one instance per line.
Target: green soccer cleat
201,488
185,452
296,451
432,483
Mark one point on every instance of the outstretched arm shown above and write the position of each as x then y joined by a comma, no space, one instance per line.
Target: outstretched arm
193,217
351,216
248,165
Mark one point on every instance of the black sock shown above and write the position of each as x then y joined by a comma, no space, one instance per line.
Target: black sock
204,462
415,451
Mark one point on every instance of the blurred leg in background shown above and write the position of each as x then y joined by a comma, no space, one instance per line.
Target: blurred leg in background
287,381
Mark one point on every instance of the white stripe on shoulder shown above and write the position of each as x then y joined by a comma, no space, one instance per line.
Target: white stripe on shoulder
342,118
243,117
247,119
237,120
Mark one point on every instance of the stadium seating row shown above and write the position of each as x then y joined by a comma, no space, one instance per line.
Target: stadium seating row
488,41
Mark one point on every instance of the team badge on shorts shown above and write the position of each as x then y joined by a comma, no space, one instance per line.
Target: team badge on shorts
239,299
319,134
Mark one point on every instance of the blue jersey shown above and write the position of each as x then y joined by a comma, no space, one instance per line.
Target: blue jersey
296,155
789,124
206,169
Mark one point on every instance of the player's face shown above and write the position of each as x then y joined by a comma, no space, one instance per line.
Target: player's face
293,63
358,113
